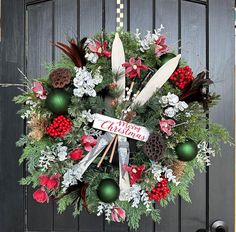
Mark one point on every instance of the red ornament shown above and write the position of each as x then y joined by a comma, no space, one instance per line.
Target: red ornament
160,191
41,196
76,154
88,141
133,67
59,127
135,172
182,77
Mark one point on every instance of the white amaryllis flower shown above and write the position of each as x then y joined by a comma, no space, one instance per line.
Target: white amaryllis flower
92,57
172,99
170,112
164,101
62,152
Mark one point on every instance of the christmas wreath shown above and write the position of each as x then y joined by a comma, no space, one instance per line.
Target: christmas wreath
118,126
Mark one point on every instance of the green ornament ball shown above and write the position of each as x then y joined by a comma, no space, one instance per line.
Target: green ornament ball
108,190
57,101
186,151
166,57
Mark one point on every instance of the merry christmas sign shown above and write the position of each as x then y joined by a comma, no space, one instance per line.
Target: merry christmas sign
120,127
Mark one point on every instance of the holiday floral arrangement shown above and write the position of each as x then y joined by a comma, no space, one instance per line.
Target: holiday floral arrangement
118,127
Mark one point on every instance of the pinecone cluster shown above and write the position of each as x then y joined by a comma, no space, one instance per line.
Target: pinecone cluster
60,77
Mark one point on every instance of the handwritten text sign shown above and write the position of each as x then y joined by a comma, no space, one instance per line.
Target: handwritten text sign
117,126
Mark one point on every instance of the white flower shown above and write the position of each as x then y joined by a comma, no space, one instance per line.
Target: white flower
181,105
92,57
172,99
87,115
170,112
164,101
61,152
79,92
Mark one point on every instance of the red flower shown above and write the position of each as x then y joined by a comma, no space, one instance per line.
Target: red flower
167,125
50,182
118,214
59,127
99,48
88,142
76,154
133,67
41,196
160,191
135,172
39,90
161,47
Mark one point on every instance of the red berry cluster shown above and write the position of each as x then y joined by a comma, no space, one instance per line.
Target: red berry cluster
59,127
182,77
160,191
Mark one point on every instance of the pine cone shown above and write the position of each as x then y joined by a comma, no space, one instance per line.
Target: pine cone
155,147
178,168
60,77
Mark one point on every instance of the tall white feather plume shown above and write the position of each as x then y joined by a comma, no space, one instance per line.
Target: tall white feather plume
157,81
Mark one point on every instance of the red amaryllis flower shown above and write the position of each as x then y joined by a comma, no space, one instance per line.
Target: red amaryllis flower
161,47
41,196
88,141
133,67
39,90
50,182
118,214
76,154
167,125
99,48
135,172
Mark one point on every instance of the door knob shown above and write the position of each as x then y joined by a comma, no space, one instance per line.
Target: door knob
219,226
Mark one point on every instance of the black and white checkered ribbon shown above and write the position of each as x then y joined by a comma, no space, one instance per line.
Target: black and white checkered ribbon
119,14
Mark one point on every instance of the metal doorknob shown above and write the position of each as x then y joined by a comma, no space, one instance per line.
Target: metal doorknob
219,226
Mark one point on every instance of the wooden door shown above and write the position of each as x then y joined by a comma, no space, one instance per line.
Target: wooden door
202,30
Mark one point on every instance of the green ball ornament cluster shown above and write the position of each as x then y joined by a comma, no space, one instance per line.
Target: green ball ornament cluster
186,151
58,101
108,190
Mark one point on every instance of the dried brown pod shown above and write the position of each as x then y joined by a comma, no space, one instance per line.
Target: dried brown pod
37,125
178,168
155,147
60,77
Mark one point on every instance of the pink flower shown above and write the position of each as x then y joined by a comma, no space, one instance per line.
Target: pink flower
41,196
39,91
167,125
50,182
133,67
118,214
76,154
88,142
99,48
161,47
135,172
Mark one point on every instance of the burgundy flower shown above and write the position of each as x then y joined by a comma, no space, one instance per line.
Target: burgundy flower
41,196
161,47
76,154
99,48
88,142
135,172
39,90
133,67
167,125
118,214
